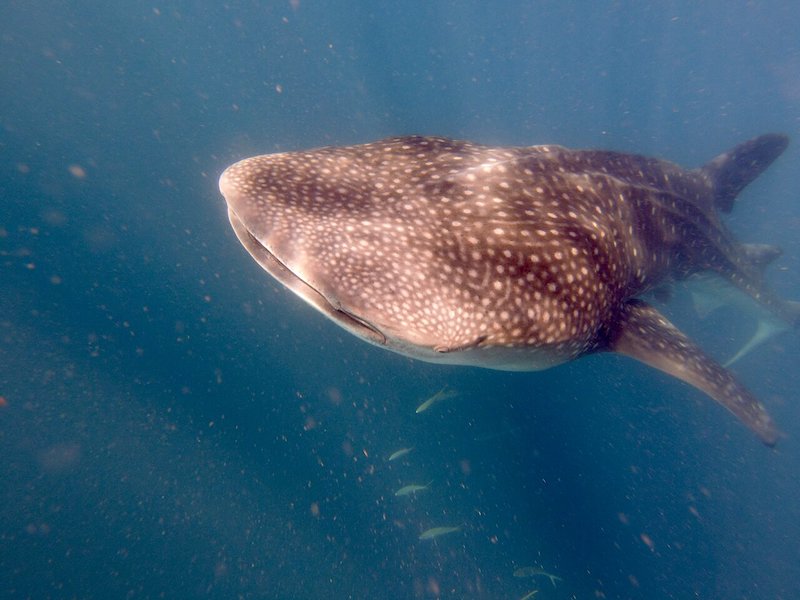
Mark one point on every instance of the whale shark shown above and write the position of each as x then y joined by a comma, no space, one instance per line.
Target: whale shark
511,258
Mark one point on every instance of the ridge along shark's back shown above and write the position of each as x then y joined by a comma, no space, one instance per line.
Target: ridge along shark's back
508,258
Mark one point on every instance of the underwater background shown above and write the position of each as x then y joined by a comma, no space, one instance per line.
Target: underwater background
174,424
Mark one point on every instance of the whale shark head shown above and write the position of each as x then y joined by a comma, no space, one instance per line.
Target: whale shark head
421,245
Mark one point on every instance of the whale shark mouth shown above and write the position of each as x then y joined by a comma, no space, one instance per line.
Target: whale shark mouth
270,263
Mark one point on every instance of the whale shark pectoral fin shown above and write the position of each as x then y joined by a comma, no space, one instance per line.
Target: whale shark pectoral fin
646,335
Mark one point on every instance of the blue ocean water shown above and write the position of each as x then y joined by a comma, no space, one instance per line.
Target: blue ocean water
175,424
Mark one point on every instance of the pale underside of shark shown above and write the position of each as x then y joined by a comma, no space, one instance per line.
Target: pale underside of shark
515,258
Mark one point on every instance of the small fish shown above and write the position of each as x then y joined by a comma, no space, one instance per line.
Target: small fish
536,571
413,488
435,532
400,453
530,594
442,394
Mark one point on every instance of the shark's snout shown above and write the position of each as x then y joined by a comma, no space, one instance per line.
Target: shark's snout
226,187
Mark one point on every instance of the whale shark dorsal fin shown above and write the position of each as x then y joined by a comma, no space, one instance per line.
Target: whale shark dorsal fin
646,335
729,173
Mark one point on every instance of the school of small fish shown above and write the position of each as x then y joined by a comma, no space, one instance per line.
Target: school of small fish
436,532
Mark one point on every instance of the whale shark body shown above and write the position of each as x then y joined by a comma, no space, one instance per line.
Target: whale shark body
514,258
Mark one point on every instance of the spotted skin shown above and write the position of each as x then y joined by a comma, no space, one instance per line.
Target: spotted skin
508,258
